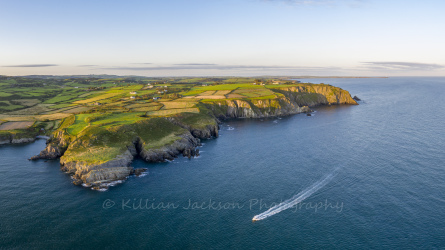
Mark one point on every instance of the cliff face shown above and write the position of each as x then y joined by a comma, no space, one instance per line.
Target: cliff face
102,154
292,100
96,174
254,108
313,95
200,126
58,142
16,137
185,144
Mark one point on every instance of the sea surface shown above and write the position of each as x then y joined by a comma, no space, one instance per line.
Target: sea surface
388,190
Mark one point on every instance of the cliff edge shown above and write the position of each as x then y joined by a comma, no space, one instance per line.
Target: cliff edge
98,150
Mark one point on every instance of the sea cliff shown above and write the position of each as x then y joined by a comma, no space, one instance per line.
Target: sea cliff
292,100
100,154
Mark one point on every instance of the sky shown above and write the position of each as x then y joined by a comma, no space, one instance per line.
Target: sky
223,37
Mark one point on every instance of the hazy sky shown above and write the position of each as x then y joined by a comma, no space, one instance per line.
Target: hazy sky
223,37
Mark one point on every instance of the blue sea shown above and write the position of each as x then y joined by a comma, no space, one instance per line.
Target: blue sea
388,190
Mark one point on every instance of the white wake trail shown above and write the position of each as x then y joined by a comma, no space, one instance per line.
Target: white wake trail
296,198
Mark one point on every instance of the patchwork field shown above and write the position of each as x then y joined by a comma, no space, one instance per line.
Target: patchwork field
177,105
79,124
211,97
146,109
16,125
95,101
98,98
77,110
235,96
35,110
8,106
172,112
142,105
26,102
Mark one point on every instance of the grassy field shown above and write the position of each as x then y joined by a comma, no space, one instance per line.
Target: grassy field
16,125
99,120
77,110
100,117
63,97
8,106
79,124
35,110
26,102
108,142
54,98
98,98
168,112
177,105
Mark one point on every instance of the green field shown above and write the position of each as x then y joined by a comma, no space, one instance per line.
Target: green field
79,124
51,98
103,114
93,120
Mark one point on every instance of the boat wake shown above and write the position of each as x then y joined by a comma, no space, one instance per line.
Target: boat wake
296,198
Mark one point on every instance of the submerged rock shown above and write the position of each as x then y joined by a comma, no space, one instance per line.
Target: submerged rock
139,171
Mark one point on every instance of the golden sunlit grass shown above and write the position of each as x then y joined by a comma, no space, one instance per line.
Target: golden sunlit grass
98,98
177,105
172,111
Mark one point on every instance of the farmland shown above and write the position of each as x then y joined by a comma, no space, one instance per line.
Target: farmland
98,120
93,101
15,125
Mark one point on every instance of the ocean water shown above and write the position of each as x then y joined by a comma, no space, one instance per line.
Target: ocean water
388,190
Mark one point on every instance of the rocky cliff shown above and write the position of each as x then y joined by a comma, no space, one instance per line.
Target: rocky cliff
102,154
290,100
58,141
17,136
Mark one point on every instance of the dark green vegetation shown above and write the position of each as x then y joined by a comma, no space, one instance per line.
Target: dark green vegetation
94,121
109,101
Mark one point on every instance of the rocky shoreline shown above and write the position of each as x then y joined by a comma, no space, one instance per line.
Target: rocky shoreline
99,175
13,140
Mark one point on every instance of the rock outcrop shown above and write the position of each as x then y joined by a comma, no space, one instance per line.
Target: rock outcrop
22,140
207,130
55,146
186,143
255,108
116,169
99,155
82,157
16,138
291,100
